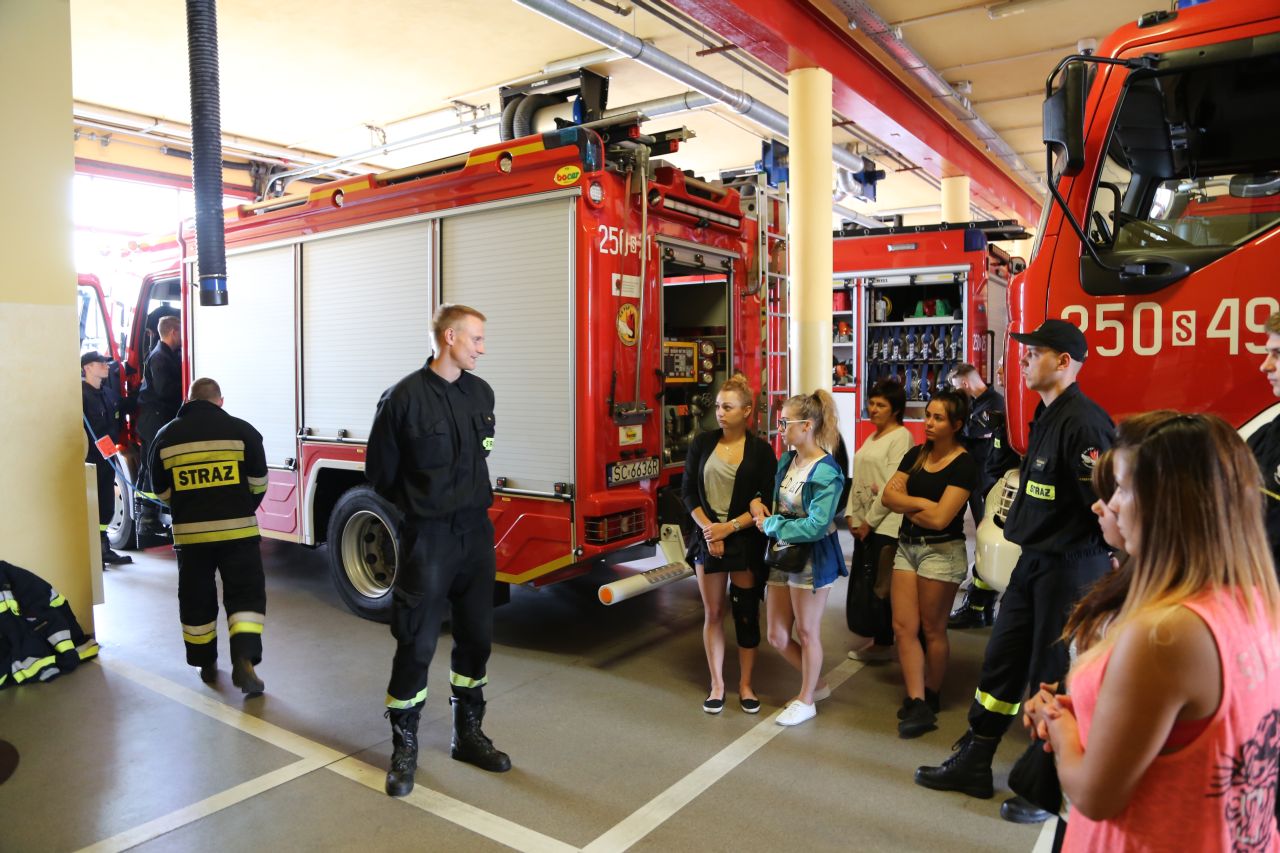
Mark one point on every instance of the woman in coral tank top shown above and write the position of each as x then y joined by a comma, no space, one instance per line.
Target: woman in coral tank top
1170,736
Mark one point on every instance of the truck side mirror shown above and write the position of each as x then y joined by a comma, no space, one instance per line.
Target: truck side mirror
1064,118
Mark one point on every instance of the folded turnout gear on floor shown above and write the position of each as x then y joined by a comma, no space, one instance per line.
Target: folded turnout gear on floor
40,638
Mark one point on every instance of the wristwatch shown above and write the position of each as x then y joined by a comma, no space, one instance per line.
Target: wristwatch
737,525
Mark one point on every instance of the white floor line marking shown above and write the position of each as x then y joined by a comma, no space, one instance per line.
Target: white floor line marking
652,814
210,805
1044,841
314,755
463,814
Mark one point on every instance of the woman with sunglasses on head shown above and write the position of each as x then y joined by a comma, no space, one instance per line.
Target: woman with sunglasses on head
931,489
1170,736
727,476
806,496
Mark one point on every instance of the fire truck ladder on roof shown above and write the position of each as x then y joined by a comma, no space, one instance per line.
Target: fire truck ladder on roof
774,264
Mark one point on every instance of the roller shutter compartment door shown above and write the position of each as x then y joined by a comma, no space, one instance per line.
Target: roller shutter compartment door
516,266
366,322
247,347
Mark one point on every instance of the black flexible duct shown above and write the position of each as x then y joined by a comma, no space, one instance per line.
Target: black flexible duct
528,108
506,132
206,150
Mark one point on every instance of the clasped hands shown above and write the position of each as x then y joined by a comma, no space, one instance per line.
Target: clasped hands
1049,714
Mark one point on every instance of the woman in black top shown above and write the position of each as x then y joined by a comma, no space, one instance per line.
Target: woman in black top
930,489
726,475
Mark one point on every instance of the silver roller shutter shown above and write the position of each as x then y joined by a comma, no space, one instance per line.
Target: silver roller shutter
366,322
515,264
247,347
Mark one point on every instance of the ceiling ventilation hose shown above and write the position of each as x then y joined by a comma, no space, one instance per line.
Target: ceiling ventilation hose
206,150
506,131
523,125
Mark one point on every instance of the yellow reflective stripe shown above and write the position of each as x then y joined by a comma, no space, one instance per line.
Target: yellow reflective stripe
88,650
152,495
102,528
991,703
3,678
256,490
245,628
214,536
200,447
462,681
1040,490
24,674
206,456
56,599
981,584
199,639
165,495
64,646
405,704
257,481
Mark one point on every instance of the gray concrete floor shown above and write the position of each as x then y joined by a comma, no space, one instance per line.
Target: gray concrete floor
600,709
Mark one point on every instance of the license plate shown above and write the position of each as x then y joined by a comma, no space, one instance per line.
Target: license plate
631,471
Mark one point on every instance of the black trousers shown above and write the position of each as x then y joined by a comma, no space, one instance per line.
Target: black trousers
150,421
1026,644
106,492
244,595
443,570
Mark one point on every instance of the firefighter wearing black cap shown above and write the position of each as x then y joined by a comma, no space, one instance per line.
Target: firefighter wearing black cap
102,420
1062,554
985,438
431,436
1265,443
212,471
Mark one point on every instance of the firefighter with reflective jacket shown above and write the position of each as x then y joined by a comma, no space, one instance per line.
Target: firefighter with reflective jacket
211,469
984,437
431,435
1062,554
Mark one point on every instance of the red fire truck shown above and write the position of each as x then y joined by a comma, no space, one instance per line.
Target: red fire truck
619,293
1160,240
911,303
1162,243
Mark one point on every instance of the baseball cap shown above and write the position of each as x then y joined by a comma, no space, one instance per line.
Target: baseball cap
91,356
1057,335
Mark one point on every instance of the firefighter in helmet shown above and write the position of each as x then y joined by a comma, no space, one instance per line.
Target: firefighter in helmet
427,452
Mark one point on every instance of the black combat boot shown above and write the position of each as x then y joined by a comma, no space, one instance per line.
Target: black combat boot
1022,810
977,610
111,558
968,770
404,753
243,676
469,742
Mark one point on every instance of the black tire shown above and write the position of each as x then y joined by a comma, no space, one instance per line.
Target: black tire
120,528
363,555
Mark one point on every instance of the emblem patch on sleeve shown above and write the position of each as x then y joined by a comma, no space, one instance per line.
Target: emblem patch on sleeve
1090,458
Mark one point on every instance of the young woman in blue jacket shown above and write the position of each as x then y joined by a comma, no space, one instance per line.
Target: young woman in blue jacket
806,497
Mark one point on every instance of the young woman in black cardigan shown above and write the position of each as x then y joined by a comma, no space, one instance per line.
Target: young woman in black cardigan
728,476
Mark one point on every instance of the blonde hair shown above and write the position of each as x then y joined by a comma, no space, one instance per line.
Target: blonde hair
1197,497
737,384
448,316
820,409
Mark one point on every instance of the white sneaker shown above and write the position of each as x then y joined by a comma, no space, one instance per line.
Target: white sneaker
872,654
796,713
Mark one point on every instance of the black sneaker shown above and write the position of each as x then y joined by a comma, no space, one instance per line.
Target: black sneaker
932,699
917,719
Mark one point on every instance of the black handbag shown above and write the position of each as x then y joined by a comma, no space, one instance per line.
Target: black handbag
1034,777
787,556
866,613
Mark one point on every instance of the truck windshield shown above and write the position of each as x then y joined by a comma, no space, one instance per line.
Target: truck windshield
1190,160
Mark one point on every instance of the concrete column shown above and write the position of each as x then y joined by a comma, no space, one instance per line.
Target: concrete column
809,238
43,514
955,199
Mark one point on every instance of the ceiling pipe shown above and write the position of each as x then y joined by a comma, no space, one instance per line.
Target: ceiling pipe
862,17
601,31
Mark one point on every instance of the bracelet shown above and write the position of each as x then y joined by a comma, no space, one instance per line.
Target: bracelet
737,525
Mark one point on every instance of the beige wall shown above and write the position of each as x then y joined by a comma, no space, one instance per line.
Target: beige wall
42,508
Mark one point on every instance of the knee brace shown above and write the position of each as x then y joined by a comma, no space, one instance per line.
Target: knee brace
745,604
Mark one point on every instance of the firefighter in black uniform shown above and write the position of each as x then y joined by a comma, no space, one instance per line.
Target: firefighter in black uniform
431,435
1265,443
102,414
984,437
158,401
211,470
1062,554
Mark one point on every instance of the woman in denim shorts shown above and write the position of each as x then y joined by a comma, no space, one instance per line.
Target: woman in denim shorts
930,490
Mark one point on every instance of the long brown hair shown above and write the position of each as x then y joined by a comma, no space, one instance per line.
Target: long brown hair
1105,598
1195,490
819,408
957,408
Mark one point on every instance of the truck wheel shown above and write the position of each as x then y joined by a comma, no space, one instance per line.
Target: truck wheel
120,528
362,552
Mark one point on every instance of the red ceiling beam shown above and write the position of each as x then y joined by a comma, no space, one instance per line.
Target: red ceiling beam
789,34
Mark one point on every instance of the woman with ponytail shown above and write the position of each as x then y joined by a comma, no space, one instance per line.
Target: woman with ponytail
806,498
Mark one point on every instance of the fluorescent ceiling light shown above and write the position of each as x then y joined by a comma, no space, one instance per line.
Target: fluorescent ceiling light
996,11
